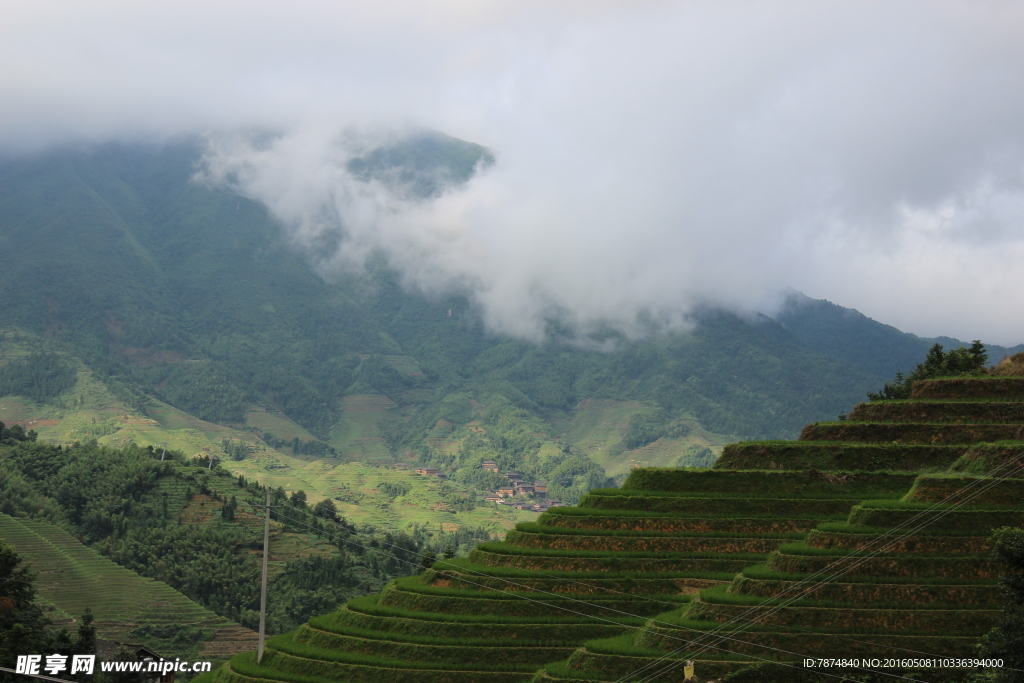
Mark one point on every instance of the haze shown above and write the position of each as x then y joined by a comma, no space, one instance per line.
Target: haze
650,156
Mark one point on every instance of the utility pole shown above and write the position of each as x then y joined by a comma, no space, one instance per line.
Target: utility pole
164,452
211,467
263,591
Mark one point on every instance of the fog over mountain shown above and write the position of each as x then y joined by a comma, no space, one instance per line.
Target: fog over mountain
648,157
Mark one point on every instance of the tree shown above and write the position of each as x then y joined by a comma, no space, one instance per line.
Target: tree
937,363
326,509
22,623
1006,640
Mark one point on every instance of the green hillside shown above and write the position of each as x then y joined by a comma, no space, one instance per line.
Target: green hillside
847,542
176,294
171,518
849,335
71,577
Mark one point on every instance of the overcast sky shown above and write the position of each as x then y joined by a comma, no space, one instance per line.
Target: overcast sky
650,155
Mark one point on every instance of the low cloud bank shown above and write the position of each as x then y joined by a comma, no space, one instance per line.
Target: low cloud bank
649,156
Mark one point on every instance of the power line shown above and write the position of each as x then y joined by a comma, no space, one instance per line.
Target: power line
943,512
720,636
611,609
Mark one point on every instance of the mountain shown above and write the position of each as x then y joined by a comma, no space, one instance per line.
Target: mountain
182,299
850,336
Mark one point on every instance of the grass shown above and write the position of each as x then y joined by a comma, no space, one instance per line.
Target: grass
357,435
470,652
761,572
323,624
412,584
720,595
774,494
913,432
507,549
861,529
464,564
801,484
370,605
536,528
956,622
286,644
838,455
788,508
598,428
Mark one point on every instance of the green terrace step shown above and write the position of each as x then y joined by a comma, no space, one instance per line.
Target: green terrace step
277,666
613,667
765,641
399,624
901,543
623,542
505,555
934,517
840,457
635,574
453,601
869,594
1000,389
72,577
590,584
1002,460
664,523
803,484
970,491
465,650
791,508
726,595
804,561
911,432
957,622
959,412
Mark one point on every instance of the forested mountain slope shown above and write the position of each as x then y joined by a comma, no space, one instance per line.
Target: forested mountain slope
168,288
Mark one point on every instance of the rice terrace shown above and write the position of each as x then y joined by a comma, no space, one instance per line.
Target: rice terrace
511,342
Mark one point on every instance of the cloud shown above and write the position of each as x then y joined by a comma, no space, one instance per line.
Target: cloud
650,156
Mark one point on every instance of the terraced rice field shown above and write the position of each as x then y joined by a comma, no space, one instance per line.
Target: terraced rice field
865,538
73,577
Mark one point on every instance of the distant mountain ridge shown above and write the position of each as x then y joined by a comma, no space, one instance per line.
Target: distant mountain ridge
191,294
848,335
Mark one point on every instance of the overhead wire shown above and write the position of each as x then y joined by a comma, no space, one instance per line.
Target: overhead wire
561,596
517,595
941,512
716,634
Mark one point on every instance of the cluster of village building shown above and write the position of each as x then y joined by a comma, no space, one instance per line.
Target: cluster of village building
518,494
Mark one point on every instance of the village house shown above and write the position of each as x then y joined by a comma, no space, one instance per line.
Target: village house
431,472
540,487
490,466
506,492
524,489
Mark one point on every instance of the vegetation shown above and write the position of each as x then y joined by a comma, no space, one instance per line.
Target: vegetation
131,507
1006,640
937,363
24,628
40,376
